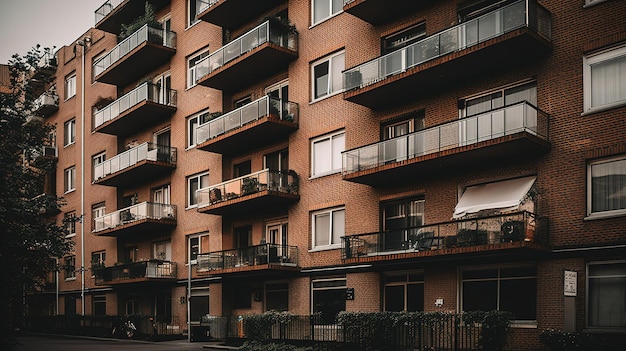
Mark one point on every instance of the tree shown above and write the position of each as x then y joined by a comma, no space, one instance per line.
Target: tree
30,236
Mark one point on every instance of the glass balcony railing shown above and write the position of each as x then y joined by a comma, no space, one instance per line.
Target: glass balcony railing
46,103
144,34
490,230
152,269
204,4
281,181
134,213
129,158
145,92
248,256
269,31
516,118
525,13
285,110
106,8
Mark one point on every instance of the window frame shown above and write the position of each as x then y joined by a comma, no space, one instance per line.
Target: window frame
69,220
409,280
330,212
70,86
593,59
193,122
191,70
69,179
589,180
70,267
330,8
588,277
197,176
329,137
192,18
199,237
332,286
69,132
329,91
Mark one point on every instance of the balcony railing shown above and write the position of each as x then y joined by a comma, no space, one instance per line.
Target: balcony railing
273,254
146,92
491,230
525,13
511,119
144,34
136,271
284,110
278,181
106,8
268,31
46,104
205,4
135,213
143,152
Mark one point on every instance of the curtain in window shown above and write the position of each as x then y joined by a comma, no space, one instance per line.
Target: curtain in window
608,82
607,295
608,186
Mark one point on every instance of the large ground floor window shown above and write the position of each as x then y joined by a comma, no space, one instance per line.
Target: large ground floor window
277,296
404,292
606,282
329,298
512,289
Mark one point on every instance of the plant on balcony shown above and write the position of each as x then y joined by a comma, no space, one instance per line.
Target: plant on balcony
148,18
471,237
249,186
96,268
102,102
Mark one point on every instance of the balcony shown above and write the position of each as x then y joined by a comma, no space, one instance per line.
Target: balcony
144,217
145,106
113,13
136,56
379,12
251,193
506,38
46,104
137,272
265,257
510,134
43,156
260,122
232,14
46,67
258,54
502,234
135,165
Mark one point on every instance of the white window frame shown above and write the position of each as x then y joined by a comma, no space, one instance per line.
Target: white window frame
198,177
199,238
191,70
334,168
192,125
69,183
70,274
69,132
70,224
588,62
330,212
588,308
330,14
603,214
330,59
70,86
191,17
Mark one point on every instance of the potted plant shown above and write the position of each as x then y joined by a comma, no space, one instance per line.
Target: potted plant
249,186
102,102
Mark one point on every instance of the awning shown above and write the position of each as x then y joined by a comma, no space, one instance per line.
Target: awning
505,195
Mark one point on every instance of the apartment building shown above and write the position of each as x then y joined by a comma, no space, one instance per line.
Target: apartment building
233,157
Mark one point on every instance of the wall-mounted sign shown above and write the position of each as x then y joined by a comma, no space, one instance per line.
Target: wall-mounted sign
570,283
349,293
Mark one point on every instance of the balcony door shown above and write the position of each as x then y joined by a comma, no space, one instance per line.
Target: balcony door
396,147
277,235
161,202
278,165
162,251
163,87
166,25
400,222
279,95
162,141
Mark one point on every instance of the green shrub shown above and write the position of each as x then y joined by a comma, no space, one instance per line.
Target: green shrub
258,327
558,340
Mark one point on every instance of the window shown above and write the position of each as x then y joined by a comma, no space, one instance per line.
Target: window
69,220
98,159
277,296
326,153
70,85
400,222
198,244
604,79
497,99
98,258
329,298
99,303
192,10
194,183
327,77
242,237
70,267
69,179
69,132
192,62
606,181
242,168
403,38
404,292
328,228
511,289
324,9
606,304
162,251
192,124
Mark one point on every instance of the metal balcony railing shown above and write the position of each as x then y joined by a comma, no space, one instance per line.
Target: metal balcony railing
524,13
285,110
264,254
490,230
48,61
280,181
144,34
511,119
145,92
129,158
152,269
268,31
106,8
140,211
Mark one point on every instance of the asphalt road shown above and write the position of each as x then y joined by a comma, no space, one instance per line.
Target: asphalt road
63,343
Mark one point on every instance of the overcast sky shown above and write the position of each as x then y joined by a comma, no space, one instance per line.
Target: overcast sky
26,23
